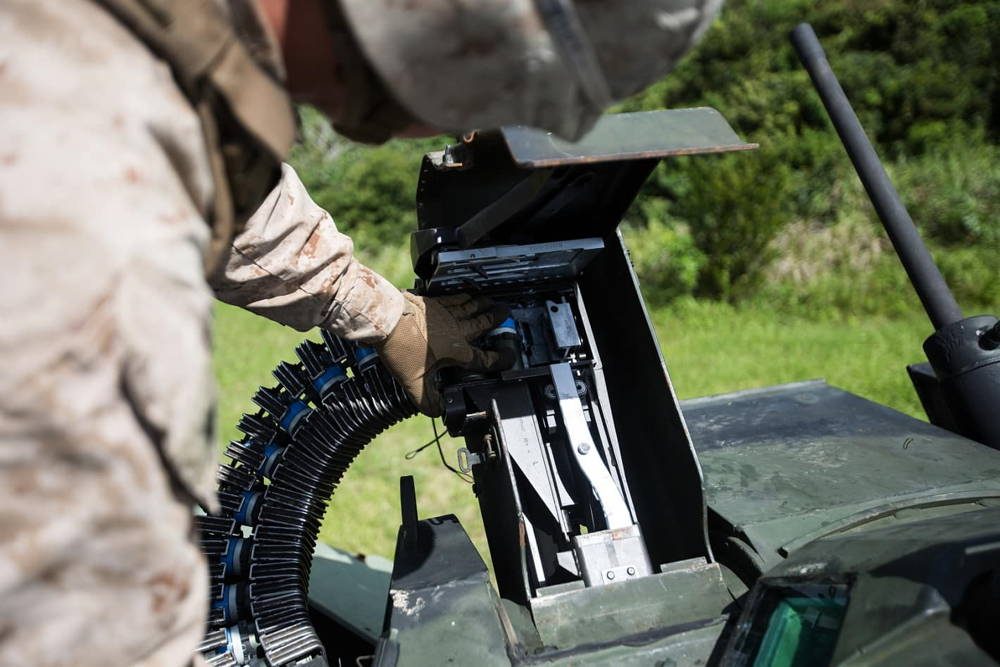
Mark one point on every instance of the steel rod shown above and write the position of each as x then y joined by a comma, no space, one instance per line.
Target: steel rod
927,280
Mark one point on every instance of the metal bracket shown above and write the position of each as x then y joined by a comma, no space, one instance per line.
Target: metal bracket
612,556
607,493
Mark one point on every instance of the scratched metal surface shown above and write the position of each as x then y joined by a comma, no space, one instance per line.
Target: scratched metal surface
788,464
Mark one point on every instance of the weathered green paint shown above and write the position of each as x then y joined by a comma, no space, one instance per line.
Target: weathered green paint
684,647
787,465
350,590
443,609
684,592
907,581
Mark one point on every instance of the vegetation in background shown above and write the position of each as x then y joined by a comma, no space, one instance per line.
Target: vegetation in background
762,267
923,78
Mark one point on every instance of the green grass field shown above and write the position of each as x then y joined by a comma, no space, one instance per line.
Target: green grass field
710,348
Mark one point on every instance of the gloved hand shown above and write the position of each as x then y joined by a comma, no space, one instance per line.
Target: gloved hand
435,332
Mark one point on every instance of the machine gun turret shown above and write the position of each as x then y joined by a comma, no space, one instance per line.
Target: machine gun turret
788,525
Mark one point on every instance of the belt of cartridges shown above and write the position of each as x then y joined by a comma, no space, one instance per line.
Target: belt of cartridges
274,492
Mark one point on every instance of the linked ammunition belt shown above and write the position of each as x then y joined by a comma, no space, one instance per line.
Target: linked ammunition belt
274,493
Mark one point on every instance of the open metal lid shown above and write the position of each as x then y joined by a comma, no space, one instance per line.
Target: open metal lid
520,185
630,136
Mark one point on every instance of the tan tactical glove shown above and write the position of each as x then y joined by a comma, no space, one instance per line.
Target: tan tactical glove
437,332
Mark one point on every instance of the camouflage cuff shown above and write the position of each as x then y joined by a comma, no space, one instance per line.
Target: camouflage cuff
369,309
291,265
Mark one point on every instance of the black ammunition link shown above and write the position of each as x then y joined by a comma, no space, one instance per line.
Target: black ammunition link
274,492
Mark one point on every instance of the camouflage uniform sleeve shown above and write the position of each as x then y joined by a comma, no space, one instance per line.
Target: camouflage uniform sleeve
291,265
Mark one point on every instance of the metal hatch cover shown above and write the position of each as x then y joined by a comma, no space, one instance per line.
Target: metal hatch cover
631,136
519,185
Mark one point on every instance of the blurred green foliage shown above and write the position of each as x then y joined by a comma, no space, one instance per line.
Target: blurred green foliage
370,191
923,77
677,271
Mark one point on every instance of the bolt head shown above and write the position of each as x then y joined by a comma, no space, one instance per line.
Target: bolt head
610,575
631,571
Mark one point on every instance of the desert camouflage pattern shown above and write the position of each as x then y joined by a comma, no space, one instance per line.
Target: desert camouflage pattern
291,265
470,64
106,391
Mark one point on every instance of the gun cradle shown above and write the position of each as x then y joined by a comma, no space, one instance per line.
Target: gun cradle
540,441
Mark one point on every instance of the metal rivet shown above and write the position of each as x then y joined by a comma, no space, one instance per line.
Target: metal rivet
583,448
610,575
631,571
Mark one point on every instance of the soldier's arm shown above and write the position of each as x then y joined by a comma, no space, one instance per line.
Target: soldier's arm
291,265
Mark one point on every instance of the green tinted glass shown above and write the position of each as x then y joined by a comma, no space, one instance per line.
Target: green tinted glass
801,631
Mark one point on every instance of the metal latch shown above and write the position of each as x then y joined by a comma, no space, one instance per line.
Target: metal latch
467,459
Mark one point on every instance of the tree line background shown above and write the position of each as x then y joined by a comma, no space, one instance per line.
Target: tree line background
788,226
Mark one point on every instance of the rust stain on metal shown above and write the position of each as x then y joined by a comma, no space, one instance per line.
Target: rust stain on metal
642,155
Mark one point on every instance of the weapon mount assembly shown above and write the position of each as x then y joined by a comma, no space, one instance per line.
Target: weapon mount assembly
607,543
581,485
